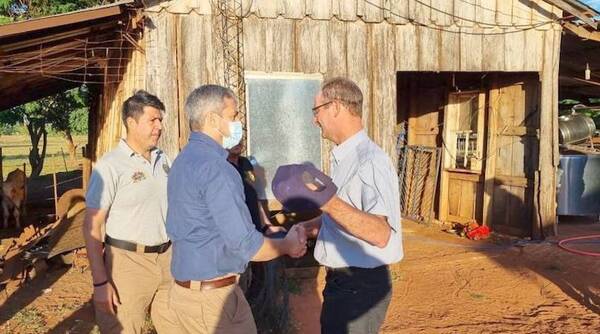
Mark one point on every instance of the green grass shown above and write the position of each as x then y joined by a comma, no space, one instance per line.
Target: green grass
15,152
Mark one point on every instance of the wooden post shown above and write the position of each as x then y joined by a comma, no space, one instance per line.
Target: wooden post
56,163
87,169
1,167
55,196
490,163
62,153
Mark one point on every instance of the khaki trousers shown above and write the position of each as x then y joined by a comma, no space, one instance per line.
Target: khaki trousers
216,311
142,280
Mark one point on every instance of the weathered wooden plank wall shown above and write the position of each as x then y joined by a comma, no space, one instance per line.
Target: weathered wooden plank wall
491,36
197,63
161,74
108,125
369,41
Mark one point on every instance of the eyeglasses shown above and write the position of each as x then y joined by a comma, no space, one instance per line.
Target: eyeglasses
315,110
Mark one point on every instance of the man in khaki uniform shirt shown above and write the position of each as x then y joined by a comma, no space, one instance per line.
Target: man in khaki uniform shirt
128,194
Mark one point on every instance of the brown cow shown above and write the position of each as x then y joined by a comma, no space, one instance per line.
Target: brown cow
14,195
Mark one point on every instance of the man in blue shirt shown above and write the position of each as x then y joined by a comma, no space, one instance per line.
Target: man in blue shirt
209,223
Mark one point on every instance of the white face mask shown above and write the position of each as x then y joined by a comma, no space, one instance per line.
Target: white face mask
236,132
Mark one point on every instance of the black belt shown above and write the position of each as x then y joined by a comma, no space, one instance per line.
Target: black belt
132,246
357,270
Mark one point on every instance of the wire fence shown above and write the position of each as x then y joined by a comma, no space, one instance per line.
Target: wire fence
56,159
418,170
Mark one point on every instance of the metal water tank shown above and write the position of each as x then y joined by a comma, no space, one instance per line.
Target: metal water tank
579,185
575,128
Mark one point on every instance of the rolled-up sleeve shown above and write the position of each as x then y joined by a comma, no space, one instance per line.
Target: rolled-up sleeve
225,200
101,188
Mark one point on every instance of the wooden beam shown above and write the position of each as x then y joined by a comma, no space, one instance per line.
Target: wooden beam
88,31
39,88
583,81
492,139
568,6
582,32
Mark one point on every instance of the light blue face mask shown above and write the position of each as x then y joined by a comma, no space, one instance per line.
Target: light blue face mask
236,132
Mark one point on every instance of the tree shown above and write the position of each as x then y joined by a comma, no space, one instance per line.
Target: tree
68,113
57,111
62,110
36,127
35,122
17,10
8,122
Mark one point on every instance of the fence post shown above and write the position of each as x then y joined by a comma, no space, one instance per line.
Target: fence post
1,167
87,169
55,196
62,153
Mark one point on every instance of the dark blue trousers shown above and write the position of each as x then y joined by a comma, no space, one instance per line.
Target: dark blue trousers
355,300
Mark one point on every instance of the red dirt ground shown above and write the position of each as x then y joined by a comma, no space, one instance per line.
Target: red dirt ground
451,285
444,285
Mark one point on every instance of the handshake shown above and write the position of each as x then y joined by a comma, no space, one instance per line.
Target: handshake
295,242
301,187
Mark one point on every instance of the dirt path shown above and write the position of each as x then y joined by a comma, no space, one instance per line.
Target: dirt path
451,285
444,285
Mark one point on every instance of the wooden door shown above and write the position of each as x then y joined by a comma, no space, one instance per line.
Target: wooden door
512,156
461,195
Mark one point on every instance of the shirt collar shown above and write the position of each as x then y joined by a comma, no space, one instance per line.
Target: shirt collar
201,138
342,150
154,154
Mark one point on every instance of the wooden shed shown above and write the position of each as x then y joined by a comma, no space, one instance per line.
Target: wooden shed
475,82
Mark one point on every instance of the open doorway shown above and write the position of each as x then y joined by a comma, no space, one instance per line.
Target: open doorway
487,126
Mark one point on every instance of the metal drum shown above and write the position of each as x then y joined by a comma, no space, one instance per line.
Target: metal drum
579,187
575,128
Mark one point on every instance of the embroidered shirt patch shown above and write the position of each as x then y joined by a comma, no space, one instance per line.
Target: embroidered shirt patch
138,176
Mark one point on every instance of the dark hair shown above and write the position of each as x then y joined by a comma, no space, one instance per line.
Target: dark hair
134,106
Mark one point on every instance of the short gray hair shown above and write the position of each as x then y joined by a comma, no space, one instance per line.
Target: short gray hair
203,100
345,91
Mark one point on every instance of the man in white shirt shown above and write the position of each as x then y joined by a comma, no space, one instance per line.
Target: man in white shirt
359,233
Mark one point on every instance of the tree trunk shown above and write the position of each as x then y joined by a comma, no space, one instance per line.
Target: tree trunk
70,145
37,131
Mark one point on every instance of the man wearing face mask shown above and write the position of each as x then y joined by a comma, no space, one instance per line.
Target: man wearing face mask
209,223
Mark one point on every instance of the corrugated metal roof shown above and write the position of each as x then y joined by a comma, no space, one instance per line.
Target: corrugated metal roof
58,20
46,55
483,13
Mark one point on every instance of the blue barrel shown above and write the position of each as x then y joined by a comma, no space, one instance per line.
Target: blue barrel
579,186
